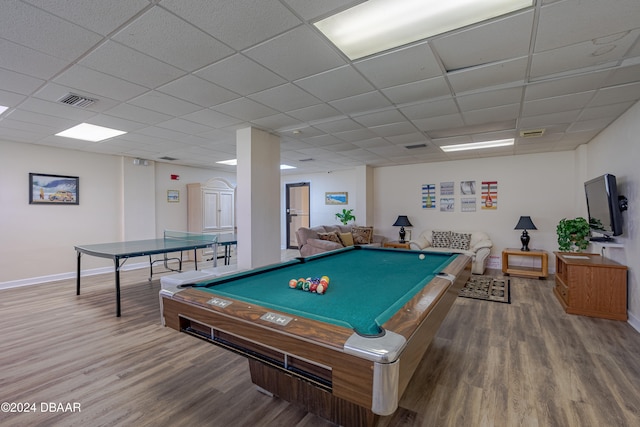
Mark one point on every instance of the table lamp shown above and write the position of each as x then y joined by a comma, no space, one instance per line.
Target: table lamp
402,222
525,223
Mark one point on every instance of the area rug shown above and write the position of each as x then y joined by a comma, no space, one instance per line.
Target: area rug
487,288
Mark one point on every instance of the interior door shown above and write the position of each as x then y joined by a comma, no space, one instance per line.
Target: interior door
297,208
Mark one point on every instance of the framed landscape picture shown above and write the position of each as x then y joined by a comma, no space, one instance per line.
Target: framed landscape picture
45,189
336,198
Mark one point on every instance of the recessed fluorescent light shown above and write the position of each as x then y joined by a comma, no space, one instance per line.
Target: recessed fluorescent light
477,145
3,109
234,162
88,132
378,25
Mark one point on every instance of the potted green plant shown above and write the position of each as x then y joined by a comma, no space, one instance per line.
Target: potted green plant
345,216
573,234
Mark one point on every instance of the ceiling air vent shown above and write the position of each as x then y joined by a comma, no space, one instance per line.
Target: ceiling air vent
412,147
77,100
305,160
534,133
167,158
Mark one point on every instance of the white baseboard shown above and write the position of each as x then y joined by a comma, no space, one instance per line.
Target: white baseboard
634,322
69,275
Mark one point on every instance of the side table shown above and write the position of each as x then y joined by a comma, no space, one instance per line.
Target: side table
396,244
541,272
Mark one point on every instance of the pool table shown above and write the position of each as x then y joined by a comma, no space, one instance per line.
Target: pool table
346,355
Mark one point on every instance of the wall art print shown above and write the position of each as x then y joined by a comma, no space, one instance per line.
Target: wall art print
447,204
468,204
428,196
467,188
490,195
336,198
446,188
46,189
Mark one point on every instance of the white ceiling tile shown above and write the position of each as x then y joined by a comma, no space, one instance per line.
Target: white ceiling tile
489,75
163,103
491,114
314,113
11,99
441,122
557,104
91,81
138,114
245,109
418,91
96,15
198,91
495,98
591,53
285,97
296,54
334,84
211,118
341,125
355,135
120,61
241,23
623,75
394,129
115,123
241,75
360,103
544,120
32,27
573,21
616,94
19,83
29,61
486,43
314,9
614,110
168,38
565,86
278,122
430,109
379,118
418,63
186,126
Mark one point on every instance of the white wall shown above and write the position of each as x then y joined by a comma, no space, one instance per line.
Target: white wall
617,150
538,185
118,200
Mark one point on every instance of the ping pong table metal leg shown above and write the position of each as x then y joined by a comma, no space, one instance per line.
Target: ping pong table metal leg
116,260
78,274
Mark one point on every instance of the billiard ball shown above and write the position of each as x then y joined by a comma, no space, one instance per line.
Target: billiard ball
320,289
421,256
293,283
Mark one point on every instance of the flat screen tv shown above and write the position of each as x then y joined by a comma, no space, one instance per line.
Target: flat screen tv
604,207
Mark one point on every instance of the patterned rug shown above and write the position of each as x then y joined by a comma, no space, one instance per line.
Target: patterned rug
488,288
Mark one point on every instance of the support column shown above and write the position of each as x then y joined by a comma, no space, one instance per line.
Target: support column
364,192
258,198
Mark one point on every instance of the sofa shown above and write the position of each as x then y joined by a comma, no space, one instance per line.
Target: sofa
476,244
323,238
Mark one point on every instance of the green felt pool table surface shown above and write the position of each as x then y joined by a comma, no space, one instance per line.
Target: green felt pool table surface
366,285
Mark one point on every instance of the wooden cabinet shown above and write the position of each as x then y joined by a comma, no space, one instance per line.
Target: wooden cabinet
591,285
211,209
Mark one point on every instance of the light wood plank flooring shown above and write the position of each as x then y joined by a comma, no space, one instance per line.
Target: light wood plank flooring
521,364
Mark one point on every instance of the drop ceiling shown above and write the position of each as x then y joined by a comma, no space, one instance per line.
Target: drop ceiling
180,77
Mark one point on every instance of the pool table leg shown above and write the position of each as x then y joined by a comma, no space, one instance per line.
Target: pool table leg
117,263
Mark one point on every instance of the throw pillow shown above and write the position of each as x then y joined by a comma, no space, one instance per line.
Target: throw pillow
460,241
441,239
362,235
332,237
347,239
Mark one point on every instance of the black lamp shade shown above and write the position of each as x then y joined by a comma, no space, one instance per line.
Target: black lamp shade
402,222
525,223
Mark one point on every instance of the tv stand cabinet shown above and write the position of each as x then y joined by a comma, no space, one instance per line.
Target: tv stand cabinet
591,285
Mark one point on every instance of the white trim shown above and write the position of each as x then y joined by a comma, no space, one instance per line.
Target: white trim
634,321
68,275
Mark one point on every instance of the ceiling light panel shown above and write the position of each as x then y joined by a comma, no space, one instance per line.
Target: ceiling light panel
89,132
378,25
477,145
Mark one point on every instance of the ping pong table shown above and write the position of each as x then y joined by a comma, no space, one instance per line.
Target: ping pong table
120,252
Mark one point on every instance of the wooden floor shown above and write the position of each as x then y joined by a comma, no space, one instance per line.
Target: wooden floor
521,364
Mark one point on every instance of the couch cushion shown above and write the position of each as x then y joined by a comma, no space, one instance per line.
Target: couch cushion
346,238
331,237
441,239
362,235
460,241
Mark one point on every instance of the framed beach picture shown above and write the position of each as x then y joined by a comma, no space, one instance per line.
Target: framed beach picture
336,198
45,189
173,196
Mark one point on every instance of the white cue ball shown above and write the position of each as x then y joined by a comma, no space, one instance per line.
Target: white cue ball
421,256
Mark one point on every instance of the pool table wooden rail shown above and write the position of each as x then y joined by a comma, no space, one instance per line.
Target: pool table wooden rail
321,344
